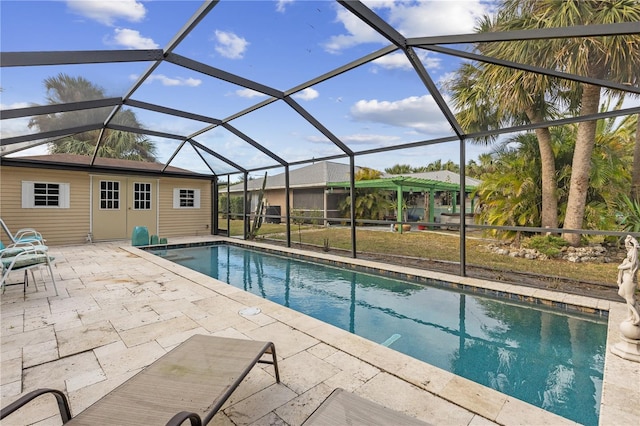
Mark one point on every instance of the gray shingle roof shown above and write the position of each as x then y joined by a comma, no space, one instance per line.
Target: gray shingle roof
321,173
314,175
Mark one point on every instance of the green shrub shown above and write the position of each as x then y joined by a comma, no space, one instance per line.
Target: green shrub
549,244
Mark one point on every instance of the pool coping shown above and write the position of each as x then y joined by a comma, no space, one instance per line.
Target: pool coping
621,378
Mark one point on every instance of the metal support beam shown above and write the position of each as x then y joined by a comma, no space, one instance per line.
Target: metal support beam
315,123
52,134
28,59
374,21
214,206
245,207
7,114
253,143
287,204
215,154
623,28
538,70
352,187
433,90
463,222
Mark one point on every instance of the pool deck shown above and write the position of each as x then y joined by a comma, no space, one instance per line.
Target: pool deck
121,308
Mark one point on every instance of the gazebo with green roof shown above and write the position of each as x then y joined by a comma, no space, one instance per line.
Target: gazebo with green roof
402,184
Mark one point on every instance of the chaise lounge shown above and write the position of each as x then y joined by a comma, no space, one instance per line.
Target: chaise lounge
25,256
191,382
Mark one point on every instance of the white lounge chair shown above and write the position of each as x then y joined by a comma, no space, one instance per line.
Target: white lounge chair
24,235
25,256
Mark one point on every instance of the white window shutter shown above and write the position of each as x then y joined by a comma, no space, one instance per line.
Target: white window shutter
176,198
196,198
27,195
65,195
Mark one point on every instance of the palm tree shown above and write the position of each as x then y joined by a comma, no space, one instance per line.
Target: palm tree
613,58
476,169
370,203
510,193
115,143
491,97
510,196
398,169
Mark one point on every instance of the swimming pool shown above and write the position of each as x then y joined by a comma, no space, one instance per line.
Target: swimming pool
553,359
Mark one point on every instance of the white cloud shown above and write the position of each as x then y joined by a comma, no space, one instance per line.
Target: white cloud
15,105
357,33
370,139
175,81
367,139
107,12
437,17
307,94
249,93
398,60
230,45
281,5
411,19
15,126
131,39
419,113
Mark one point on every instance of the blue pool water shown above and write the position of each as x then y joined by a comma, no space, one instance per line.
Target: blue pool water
550,358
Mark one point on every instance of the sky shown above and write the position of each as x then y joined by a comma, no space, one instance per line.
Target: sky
280,44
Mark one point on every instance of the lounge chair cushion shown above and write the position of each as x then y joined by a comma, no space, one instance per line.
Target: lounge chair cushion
25,260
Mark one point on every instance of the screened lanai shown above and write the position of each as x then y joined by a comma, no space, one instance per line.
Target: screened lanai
227,90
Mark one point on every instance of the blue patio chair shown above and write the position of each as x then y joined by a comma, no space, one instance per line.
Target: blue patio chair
25,256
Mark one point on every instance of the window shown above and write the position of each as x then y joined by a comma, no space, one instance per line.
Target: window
52,195
109,195
141,196
186,198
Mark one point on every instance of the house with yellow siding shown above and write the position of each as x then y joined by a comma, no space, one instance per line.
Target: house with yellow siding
70,202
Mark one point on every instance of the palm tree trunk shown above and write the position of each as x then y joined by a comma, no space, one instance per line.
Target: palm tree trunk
635,174
549,209
581,166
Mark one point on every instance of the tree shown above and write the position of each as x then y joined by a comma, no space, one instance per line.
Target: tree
491,97
476,169
114,143
510,194
370,203
399,169
614,58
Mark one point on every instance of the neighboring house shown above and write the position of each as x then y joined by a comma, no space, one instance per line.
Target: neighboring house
70,203
308,192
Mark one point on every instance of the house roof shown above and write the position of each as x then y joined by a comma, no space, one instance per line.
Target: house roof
315,175
336,175
101,164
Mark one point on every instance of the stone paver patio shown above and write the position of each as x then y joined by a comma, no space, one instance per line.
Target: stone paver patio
120,308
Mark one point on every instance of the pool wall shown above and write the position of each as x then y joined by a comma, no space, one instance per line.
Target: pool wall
620,391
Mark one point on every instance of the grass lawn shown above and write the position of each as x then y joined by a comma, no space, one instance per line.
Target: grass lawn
436,245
